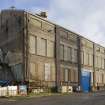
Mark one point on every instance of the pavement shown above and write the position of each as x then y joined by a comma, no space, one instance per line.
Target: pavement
97,98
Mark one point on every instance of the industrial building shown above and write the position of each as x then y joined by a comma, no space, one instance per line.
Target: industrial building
39,53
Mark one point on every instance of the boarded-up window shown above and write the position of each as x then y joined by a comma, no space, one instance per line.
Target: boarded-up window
86,58
50,49
75,75
74,55
102,63
72,75
69,54
90,60
47,72
32,44
32,71
96,61
99,62
62,52
66,75
43,47
65,54
82,57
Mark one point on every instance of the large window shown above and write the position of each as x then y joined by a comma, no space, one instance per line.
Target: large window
47,72
50,49
75,55
86,58
66,75
43,47
82,57
65,53
69,54
90,60
32,44
62,52
33,72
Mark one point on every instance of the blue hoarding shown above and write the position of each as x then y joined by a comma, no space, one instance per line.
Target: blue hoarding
86,81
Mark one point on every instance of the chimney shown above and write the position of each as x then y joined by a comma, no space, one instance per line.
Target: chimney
42,14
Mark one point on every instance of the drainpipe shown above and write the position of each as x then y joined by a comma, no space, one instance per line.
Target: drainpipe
79,60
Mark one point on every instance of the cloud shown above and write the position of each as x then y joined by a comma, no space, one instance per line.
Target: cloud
83,17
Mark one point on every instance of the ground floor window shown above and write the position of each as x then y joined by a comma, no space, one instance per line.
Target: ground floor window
47,72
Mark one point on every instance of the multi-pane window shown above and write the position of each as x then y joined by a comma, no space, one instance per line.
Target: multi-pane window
65,53
82,57
43,47
62,52
69,54
50,48
86,58
32,44
75,56
32,71
66,75
47,72
90,60
102,63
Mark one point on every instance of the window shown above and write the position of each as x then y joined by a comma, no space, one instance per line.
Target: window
86,58
43,47
47,72
102,63
75,75
69,54
50,49
32,44
66,75
75,55
62,52
65,53
82,57
33,72
90,60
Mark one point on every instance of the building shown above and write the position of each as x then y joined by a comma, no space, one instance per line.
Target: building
39,53
66,57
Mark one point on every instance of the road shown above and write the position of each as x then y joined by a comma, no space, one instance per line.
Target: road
74,99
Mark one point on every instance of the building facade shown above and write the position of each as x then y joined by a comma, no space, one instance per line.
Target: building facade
42,54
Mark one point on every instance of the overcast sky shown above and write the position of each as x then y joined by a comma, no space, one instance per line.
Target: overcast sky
86,17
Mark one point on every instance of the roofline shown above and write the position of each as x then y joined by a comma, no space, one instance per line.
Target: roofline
53,24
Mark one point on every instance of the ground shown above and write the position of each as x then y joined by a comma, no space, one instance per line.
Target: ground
97,98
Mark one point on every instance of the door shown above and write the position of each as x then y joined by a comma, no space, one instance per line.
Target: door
86,81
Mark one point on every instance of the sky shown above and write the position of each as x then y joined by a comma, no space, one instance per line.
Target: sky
85,17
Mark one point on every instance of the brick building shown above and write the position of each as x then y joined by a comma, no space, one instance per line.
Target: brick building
39,53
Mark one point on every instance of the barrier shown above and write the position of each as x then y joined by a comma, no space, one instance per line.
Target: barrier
3,91
12,91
